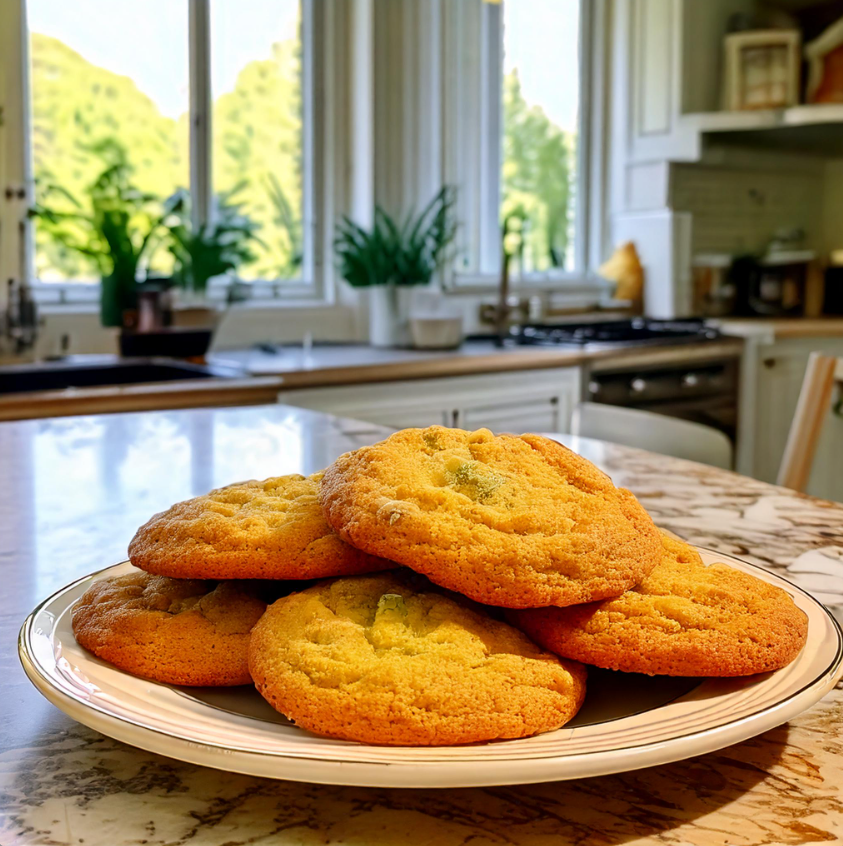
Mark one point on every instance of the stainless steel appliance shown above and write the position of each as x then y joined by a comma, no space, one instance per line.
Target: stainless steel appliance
704,391
697,379
637,330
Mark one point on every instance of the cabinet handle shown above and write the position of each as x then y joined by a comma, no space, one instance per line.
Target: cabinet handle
769,363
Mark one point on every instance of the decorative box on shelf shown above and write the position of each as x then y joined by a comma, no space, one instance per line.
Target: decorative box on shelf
762,69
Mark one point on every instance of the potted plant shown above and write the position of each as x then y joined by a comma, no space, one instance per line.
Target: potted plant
211,249
390,258
199,254
115,228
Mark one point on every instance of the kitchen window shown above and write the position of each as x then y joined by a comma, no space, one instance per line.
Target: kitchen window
207,96
522,71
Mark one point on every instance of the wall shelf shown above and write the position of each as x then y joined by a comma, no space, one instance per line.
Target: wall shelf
807,128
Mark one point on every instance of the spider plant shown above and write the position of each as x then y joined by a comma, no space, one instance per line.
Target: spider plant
392,253
211,249
290,240
115,227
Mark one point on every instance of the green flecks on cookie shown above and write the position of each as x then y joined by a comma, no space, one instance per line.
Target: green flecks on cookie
476,479
390,628
391,611
392,602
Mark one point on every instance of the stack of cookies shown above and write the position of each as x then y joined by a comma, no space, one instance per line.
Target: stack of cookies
440,587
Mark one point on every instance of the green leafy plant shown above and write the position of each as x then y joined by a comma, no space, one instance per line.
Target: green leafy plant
289,245
397,254
213,248
115,227
539,165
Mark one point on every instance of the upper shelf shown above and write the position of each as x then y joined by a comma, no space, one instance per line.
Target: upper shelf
809,128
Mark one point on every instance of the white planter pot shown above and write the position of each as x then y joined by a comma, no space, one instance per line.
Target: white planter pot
389,315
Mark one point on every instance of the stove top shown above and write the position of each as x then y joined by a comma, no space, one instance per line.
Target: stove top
638,330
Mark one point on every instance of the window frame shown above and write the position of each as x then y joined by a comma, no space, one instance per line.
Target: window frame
482,220
313,287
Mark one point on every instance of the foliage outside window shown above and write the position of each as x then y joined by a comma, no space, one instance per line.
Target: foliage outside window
540,117
124,81
537,180
257,149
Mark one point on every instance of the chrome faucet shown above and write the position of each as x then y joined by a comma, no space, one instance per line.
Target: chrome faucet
512,243
19,323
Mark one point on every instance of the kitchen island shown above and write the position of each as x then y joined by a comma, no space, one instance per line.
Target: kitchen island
74,490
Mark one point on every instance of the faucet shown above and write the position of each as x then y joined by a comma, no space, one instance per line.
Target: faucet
19,324
502,310
512,242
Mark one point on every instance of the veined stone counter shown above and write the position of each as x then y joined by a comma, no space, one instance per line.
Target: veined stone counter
73,491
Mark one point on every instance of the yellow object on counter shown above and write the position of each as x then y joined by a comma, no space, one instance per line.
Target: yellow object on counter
624,268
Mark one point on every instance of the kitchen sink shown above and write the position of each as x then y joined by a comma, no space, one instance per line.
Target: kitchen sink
103,371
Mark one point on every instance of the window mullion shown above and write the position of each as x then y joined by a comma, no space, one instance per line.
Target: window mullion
584,159
491,150
311,139
200,111
595,109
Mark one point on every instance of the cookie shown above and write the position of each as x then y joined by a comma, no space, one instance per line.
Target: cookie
252,530
684,619
518,522
373,659
176,631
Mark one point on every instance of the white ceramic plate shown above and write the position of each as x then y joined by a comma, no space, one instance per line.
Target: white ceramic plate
628,721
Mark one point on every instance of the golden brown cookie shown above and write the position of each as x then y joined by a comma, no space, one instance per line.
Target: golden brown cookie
374,660
519,522
252,530
684,619
176,631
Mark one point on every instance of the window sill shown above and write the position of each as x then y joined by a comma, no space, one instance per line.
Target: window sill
487,283
256,303
48,309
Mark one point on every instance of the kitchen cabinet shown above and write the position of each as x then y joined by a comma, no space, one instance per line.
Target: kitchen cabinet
667,124
527,400
651,41
668,84
771,387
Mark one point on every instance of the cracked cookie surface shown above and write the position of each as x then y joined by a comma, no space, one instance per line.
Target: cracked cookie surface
684,619
518,522
377,660
271,529
176,631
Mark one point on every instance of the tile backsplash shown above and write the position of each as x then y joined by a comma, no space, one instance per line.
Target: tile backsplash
737,210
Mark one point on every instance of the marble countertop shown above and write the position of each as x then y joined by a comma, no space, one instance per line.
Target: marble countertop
72,492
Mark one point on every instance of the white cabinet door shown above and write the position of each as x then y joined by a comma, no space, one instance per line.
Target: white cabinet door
399,405
535,401
780,370
648,80
539,416
522,401
780,375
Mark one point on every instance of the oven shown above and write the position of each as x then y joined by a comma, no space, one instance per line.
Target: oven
700,390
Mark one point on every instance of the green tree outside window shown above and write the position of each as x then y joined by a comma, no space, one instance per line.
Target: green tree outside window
537,178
